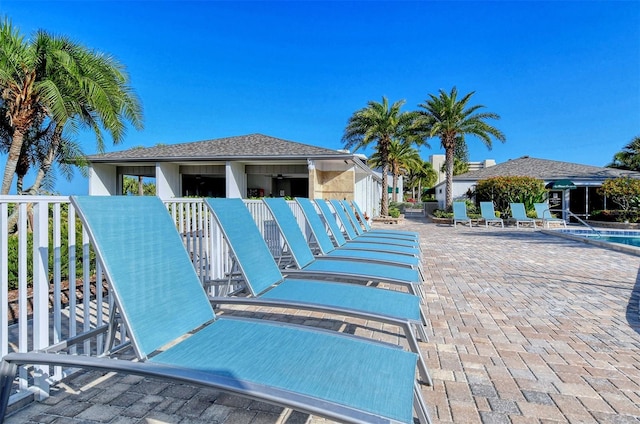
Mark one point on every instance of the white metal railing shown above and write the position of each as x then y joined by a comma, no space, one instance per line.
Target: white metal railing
45,309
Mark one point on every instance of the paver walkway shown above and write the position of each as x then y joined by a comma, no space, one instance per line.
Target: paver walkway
524,327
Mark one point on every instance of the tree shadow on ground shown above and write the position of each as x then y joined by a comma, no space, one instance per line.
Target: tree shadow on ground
633,307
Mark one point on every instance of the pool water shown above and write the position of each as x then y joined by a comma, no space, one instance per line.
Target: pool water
628,241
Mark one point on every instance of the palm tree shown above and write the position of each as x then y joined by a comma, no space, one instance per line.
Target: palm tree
629,157
449,118
66,83
402,157
423,175
379,123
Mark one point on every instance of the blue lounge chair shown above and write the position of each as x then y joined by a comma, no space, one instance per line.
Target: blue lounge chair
368,243
489,214
307,266
267,285
325,244
353,219
352,234
519,214
543,213
161,300
460,213
367,227
295,239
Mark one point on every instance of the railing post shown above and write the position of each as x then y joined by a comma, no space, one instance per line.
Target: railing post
41,294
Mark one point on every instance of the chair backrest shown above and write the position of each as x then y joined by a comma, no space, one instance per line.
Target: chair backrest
487,210
367,227
347,216
331,221
256,264
518,211
318,228
290,230
542,210
152,279
343,218
460,210
352,216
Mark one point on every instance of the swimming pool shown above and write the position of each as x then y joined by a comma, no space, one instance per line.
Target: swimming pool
622,240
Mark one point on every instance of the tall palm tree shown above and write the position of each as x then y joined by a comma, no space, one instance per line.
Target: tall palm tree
379,123
57,78
629,157
449,118
402,157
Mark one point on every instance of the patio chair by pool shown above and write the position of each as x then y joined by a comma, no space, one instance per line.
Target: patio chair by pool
543,213
353,234
295,240
269,287
370,243
401,235
460,213
326,245
232,213
360,216
519,214
177,336
489,214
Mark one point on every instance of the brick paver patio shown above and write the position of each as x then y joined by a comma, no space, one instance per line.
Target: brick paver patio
524,327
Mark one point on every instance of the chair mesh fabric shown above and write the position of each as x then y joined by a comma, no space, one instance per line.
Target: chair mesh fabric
160,295
343,219
246,243
460,210
317,226
359,211
368,270
330,219
290,230
348,218
283,357
487,210
349,296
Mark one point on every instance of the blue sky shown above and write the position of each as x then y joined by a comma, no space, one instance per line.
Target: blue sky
563,76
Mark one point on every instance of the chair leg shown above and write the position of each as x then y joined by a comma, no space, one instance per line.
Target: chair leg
419,406
7,374
414,347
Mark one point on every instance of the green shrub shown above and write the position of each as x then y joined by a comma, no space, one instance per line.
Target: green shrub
504,190
13,252
394,212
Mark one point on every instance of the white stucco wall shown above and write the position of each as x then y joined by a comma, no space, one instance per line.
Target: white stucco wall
459,190
236,180
167,180
102,180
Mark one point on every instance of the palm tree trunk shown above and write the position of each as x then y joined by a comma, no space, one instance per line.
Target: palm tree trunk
384,199
45,167
394,194
140,186
12,161
449,155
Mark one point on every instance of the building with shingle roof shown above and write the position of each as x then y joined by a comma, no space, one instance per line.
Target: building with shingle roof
581,198
253,165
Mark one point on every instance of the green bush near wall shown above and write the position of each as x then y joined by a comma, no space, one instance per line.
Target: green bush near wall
504,190
13,253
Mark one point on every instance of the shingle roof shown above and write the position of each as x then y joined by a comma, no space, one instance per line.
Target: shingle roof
545,169
250,146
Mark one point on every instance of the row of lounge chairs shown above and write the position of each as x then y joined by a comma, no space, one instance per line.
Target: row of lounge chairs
176,335
518,215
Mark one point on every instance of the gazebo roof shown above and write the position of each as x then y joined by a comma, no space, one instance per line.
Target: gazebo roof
252,146
545,169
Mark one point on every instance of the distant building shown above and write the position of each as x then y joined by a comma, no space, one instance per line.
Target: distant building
584,180
437,161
